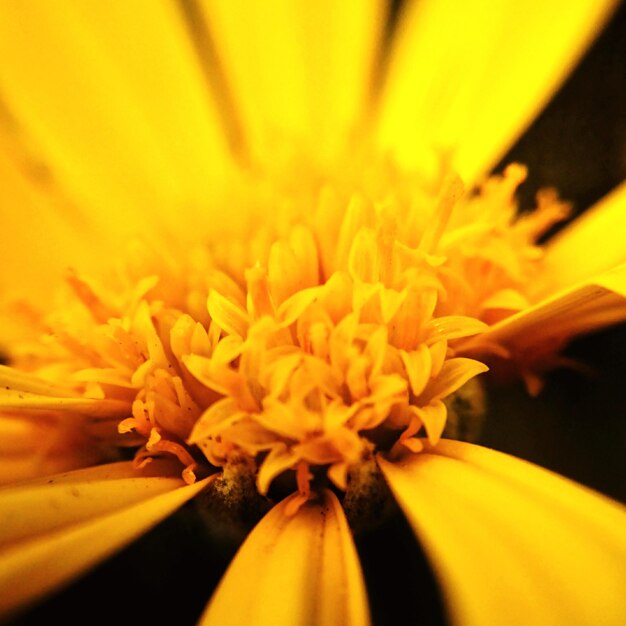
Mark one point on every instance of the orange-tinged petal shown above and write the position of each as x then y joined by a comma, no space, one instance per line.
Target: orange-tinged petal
338,474
312,577
36,444
433,416
418,367
277,461
453,375
221,414
502,533
438,356
469,76
34,567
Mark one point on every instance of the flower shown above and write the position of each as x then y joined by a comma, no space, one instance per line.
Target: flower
308,352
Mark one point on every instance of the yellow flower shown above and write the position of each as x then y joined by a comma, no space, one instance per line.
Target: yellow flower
319,267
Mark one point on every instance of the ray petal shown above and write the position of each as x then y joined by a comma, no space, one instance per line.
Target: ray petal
11,378
138,135
22,400
600,512
38,506
312,578
508,538
468,77
40,234
592,243
591,304
297,69
36,566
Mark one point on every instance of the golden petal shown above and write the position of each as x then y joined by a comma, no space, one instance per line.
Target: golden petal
22,400
433,416
32,236
453,375
453,327
36,566
43,505
417,364
468,77
221,414
293,307
507,538
304,70
137,58
14,379
277,461
312,578
229,316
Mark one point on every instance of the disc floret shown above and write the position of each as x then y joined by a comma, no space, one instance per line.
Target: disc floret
339,338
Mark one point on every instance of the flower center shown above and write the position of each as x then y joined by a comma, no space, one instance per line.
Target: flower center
309,341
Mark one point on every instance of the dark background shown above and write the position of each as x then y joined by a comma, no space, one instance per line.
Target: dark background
576,427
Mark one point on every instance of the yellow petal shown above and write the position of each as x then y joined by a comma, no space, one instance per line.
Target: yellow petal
601,512
433,416
298,570
42,505
277,461
229,316
41,232
592,243
294,306
36,444
10,399
507,538
507,299
453,327
220,414
11,378
283,271
470,76
417,365
34,567
112,97
298,70
592,304
453,375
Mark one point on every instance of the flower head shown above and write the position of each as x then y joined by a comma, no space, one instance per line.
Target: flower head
309,330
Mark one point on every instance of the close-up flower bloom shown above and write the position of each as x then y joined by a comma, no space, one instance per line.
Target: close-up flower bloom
270,270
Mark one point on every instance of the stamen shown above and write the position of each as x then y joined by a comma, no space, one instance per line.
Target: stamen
101,313
156,444
451,191
303,478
